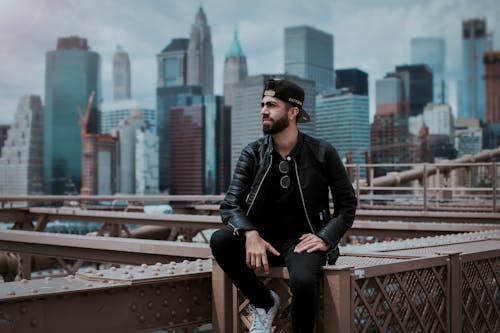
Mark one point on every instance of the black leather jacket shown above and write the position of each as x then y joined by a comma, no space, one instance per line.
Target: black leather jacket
318,169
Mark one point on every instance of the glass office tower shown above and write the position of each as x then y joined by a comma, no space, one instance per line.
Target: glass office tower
309,55
72,72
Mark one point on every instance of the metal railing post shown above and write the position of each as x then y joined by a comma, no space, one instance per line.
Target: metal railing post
494,184
424,184
358,175
454,292
222,300
337,299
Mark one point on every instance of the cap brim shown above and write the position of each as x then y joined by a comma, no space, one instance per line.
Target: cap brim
303,117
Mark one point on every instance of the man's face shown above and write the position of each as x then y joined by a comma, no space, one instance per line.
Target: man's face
274,115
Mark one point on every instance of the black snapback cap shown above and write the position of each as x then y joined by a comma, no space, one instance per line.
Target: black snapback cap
288,92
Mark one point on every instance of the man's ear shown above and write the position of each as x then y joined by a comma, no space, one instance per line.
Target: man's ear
294,112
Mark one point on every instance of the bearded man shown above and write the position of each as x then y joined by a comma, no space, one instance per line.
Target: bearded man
277,210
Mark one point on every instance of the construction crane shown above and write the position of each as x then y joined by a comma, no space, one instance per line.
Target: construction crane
83,122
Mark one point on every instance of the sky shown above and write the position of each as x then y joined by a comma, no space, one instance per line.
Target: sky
372,35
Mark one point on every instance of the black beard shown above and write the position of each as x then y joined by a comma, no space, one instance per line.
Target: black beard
277,126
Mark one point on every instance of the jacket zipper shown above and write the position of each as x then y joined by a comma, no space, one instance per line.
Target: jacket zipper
260,184
302,197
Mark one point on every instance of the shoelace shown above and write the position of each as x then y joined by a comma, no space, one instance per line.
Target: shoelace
258,319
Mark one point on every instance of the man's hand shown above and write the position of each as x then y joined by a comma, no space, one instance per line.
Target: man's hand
311,243
256,247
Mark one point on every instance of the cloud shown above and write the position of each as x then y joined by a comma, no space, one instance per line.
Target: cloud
371,35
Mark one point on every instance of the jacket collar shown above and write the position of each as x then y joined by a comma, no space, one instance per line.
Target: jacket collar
295,151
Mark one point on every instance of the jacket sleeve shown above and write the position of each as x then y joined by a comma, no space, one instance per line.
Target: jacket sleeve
344,199
233,208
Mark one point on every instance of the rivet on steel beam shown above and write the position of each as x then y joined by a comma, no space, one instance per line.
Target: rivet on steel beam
157,269
188,310
34,291
70,277
141,293
24,281
125,272
188,287
90,285
64,287
34,323
157,291
172,313
156,274
165,302
185,262
144,266
113,268
11,293
141,271
171,271
158,264
131,276
173,290
179,300
141,318
185,270
199,261
48,278
129,267
172,263
195,298
150,305
100,274
23,309
133,307
157,315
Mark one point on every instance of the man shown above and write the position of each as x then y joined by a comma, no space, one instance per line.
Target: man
277,210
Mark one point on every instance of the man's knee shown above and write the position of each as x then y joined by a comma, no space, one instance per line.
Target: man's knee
221,240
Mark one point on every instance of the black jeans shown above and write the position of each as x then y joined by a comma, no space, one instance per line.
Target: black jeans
304,270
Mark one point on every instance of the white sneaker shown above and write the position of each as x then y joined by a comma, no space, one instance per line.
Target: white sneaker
262,320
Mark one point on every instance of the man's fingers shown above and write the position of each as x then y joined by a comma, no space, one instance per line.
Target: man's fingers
265,264
271,249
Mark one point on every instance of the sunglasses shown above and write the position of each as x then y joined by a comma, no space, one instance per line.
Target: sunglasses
284,167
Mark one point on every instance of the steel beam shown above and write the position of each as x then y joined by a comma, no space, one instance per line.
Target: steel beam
99,249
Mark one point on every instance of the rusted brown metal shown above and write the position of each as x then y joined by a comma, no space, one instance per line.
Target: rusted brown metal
129,299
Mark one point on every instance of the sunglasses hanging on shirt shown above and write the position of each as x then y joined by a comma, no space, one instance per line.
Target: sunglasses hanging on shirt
284,167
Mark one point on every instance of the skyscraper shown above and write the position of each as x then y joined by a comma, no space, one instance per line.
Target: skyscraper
172,91
112,113
474,44
420,88
235,68
197,160
246,121
72,72
121,75
309,55
343,121
200,65
172,62
355,80
431,52
389,130
131,133
21,164
492,84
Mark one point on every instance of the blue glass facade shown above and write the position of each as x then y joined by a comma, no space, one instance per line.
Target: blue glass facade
343,121
309,55
431,52
474,44
71,74
166,98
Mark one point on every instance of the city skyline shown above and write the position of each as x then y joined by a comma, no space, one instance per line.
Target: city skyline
29,29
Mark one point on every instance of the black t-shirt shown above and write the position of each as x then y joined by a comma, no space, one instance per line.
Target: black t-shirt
282,214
